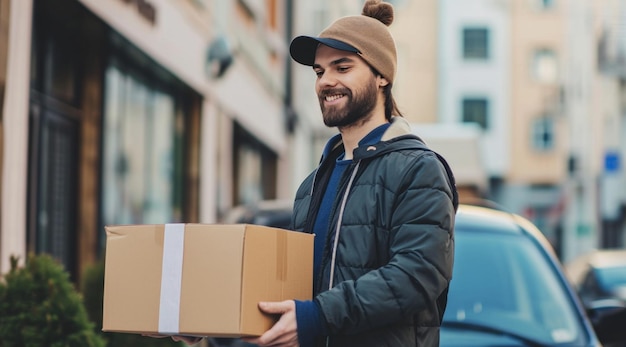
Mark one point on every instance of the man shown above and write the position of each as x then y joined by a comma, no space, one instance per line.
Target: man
381,204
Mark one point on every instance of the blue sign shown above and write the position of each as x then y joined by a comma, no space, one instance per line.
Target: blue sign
611,162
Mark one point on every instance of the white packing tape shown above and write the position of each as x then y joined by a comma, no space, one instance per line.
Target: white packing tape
171,278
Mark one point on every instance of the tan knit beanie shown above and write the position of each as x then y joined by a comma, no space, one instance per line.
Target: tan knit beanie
367,35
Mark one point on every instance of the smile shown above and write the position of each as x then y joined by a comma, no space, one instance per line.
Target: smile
330,98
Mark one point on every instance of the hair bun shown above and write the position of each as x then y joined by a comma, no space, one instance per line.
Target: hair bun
383,11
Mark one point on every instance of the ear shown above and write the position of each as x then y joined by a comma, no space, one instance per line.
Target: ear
382,82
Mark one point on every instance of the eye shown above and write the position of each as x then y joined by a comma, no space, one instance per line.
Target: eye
343,68
318,73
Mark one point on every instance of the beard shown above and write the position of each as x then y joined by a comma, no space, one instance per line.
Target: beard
358,106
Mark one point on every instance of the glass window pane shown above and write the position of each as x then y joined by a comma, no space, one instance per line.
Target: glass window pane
132,151
160,171
475,43
543,134
138,159
249,179
476,110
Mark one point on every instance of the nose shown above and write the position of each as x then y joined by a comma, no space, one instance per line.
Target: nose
326,79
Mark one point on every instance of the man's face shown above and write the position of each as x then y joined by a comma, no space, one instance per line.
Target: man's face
346,87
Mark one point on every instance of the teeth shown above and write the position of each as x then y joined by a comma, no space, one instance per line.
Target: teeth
333,97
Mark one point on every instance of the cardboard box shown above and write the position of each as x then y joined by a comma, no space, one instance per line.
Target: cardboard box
201,279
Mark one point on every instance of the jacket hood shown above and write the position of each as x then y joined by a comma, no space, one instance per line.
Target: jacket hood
397,136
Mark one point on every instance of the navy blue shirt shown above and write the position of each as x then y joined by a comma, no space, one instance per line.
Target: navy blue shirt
322,225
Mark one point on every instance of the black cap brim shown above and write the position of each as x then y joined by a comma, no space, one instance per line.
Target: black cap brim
303,48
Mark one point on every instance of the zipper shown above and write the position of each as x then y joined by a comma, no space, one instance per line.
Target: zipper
338,226
342,207
344,200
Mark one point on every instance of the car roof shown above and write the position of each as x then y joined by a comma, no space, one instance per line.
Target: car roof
469,216
485,219
481,218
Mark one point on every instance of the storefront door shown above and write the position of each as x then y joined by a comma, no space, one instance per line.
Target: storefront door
54,145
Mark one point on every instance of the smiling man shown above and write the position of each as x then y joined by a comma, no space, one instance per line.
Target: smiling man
381,204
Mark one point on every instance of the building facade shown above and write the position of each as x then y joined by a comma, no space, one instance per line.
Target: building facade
542,81
136,112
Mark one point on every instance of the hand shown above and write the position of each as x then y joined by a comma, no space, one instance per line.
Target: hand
284,333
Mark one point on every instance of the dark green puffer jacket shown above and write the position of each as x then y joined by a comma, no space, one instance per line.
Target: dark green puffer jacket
395,244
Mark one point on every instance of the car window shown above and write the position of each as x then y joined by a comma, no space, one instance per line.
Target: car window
504,281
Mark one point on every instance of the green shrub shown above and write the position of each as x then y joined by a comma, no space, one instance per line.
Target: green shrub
39,306
92,287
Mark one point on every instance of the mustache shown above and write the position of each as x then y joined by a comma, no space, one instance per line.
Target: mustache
334,91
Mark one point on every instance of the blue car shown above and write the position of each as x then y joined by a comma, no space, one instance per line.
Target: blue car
509,288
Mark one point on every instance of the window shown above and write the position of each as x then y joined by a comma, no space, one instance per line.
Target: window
543,134
54,141
475,43
475,110
544,65
141,171
54,149
255,168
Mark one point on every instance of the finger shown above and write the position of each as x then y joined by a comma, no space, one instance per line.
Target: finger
281,333
274,307
267,339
